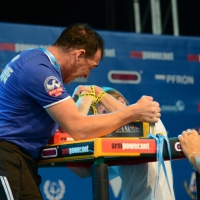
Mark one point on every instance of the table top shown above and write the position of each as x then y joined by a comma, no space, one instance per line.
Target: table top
114,151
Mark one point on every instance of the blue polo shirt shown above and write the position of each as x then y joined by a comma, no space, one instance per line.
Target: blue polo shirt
30,83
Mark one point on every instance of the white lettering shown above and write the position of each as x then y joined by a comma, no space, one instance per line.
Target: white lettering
22,47
147,55
6,74
135,146
83,149
178,107
109,53
178,79
70,139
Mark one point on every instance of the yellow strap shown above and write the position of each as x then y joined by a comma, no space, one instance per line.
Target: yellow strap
87,94
100,96
92,93
94,109
92,90
95,99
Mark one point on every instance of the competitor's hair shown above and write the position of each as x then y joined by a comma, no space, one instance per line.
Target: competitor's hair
113,92
80,36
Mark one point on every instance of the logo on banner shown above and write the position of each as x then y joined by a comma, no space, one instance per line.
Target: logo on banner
53,86
198,107
49,153
150,55
178,107
126,146
191,188
193,57
75,150
124,77
175,79
54,190
16,47
110,53
178,146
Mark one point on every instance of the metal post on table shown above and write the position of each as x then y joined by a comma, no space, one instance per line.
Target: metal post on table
198,185
100,185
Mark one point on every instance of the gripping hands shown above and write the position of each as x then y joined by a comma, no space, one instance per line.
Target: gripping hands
148,110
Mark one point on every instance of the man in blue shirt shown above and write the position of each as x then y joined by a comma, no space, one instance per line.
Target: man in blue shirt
34,102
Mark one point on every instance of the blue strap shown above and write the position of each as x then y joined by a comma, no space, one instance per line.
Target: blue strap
51,58
163,138
159,157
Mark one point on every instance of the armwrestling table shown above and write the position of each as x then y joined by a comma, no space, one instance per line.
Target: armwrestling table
100,153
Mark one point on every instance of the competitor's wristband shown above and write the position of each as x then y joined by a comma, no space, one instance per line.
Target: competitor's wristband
92,93
99,97
86,94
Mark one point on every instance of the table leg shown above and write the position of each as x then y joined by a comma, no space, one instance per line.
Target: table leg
100,184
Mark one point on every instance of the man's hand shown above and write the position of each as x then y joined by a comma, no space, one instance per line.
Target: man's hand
149,110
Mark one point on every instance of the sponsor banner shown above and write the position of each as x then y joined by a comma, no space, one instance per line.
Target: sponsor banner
66,151
126,77
148,55
106,147
178,106
128,147
175,79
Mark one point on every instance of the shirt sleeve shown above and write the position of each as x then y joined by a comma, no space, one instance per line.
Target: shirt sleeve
40,80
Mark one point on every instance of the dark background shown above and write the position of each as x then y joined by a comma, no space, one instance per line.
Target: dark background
116,15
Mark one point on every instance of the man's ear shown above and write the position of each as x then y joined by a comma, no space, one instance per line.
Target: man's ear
80,54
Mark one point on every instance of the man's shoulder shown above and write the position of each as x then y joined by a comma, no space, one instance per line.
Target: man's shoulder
32,53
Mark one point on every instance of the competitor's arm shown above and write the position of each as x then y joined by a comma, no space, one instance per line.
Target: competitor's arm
109,102
83,105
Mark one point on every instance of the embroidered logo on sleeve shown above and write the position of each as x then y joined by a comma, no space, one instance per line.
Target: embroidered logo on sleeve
53,86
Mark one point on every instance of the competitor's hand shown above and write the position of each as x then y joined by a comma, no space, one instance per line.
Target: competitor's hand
79,89
149,110
189,142
98,90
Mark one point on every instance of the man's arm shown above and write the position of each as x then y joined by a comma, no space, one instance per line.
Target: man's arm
67,115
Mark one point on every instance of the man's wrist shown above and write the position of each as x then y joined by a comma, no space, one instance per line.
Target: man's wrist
194,159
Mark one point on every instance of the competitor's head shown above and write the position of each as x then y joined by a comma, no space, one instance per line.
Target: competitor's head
113,92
